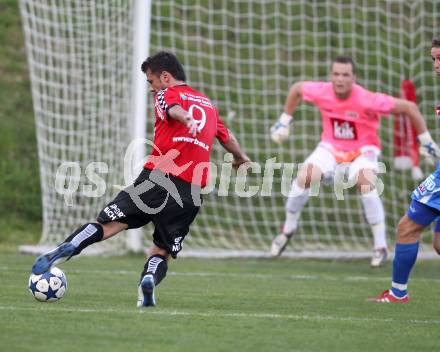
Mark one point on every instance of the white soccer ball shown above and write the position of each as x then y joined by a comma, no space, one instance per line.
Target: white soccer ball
49,286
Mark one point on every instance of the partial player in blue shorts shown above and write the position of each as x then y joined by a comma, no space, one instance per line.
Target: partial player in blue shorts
425,205
423,210
428,192
423,214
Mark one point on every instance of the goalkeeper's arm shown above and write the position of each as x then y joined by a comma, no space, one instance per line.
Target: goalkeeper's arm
280,130
428,148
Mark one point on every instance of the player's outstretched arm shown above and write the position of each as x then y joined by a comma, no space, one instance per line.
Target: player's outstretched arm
178,113
410,109
232,146
280,130
428,148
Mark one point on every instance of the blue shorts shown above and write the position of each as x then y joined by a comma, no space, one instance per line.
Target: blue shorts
428,192
423,214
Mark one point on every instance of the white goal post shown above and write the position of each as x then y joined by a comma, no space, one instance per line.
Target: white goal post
244,55
89,99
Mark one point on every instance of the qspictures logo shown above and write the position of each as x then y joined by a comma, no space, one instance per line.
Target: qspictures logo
251,180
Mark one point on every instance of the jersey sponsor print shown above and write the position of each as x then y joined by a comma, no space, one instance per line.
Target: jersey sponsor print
345,130
176,152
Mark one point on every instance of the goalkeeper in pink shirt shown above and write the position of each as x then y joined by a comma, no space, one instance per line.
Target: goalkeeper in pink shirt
350,119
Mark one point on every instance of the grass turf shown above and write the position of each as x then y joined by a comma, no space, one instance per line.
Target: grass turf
233,305
20,195
219,305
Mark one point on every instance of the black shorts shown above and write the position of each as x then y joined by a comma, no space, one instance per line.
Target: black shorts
152,197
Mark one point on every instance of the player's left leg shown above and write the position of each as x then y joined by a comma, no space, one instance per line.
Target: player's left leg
155,270
166,245
364,170
409,231
436,238
171,226
374,214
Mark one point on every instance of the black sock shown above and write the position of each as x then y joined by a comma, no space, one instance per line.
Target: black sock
157,266
85,236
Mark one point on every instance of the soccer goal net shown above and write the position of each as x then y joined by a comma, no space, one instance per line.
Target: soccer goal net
244,55
80,56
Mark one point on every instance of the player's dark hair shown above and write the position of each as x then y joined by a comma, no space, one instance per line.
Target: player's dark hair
345,60
435,42
164,61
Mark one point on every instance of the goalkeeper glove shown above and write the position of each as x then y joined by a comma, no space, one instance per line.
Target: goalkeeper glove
280,130
428,148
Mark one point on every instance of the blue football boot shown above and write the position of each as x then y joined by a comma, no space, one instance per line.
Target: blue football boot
56,256
146,292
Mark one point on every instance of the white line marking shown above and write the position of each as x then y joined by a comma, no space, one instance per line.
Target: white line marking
240,275
221,315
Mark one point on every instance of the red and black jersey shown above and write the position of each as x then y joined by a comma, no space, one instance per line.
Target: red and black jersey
176,152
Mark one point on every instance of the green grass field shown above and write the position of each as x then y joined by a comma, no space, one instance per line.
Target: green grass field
203,305
219,305
20,195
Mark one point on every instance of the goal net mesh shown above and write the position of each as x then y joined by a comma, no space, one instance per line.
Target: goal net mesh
244,55
80,63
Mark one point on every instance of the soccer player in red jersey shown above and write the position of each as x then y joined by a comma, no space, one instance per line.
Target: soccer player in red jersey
167,192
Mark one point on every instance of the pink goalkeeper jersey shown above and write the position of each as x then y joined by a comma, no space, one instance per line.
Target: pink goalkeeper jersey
352,123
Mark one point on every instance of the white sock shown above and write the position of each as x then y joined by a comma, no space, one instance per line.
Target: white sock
379,235
291,222
298,197
375,215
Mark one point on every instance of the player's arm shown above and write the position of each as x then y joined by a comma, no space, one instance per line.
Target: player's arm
178,113
428,148
411,110
280,130
232,146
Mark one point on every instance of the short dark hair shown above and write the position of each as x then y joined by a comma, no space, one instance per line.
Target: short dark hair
344,60
435,42
164,61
